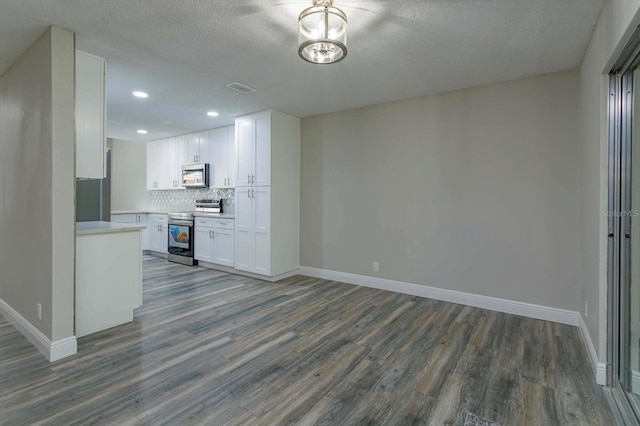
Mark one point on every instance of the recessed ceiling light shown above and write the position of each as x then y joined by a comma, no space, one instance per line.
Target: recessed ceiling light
140,95
142,132
212,114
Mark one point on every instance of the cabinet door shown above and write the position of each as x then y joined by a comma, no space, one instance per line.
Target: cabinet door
89,116
232,157
218,160
202,244
161,164
177,157
152,165
261,197
141,219
158,237
245,252
193,148
263,150
223,247
205,153
246,151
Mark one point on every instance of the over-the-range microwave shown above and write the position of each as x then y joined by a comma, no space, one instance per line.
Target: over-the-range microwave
195,175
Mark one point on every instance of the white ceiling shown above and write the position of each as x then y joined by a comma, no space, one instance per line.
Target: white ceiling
183,52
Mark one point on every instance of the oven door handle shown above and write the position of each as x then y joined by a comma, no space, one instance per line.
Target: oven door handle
181,222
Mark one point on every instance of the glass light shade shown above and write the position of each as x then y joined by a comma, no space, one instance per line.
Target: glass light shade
322,33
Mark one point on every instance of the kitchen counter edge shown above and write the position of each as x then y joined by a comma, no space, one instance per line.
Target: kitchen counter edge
100,227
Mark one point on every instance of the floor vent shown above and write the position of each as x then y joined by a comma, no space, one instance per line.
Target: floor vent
240,88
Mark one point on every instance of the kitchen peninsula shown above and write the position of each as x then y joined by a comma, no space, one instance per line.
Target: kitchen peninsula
108,275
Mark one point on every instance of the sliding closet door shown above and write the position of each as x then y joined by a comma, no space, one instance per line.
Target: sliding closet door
629,298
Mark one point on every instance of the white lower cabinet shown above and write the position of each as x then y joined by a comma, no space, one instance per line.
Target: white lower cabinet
135,218
158,234
253,229
214,241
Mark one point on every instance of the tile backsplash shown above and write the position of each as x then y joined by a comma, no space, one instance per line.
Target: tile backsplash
185,199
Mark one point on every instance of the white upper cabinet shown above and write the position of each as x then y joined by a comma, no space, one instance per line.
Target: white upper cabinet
253,145
166,157
219,164
198,148
176,158
90,116
246,150
222,157
157,176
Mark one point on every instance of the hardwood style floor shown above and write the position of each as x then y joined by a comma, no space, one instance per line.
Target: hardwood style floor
213,348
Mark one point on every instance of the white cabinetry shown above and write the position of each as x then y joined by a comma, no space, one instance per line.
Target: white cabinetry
222,157
157,175
90,116
267,193
166,157
253,226
198,148
176,158
253,145
214,241
158,234
134,218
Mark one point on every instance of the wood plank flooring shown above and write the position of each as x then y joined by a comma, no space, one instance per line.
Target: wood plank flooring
213,348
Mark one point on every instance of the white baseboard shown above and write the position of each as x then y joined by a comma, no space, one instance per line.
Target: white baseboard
53,351
546,313
599,368
232,270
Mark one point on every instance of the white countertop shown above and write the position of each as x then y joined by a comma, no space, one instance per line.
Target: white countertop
87,228
198,214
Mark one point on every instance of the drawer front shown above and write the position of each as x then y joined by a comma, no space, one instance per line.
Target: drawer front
123,218
204,222
210,222
224,223
158,218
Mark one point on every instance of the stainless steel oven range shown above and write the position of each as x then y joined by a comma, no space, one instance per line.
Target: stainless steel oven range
180,237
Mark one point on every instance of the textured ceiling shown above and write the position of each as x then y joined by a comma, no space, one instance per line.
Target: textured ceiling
184,52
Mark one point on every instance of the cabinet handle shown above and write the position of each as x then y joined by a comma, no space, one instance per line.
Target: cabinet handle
253,179
253,193
248,193
248,179
213,234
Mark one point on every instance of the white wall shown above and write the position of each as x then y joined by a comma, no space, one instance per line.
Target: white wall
129,176
37,223
475,191
617,20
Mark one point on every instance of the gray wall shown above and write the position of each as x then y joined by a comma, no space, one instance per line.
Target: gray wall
612,30
474,190
129,176
37,224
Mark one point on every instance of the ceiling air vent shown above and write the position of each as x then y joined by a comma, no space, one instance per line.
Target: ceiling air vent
240,88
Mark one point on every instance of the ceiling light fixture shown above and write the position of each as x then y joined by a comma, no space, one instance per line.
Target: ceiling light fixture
212,114
140,94
142,132
322,33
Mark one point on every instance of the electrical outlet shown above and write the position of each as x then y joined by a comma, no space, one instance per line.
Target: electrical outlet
376,267
39,306
586,309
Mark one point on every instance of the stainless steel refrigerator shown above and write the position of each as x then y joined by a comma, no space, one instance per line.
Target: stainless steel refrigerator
93,197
